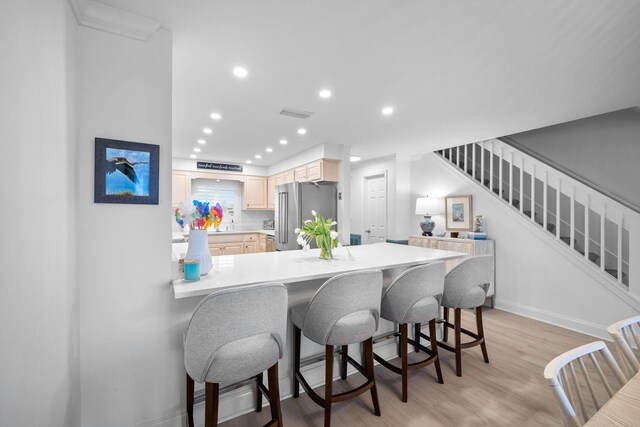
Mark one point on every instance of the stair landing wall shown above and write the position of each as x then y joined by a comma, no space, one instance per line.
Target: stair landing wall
535,276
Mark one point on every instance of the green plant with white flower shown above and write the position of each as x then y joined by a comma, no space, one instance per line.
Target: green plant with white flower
320,229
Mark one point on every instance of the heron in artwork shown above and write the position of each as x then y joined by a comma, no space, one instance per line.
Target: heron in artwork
123,165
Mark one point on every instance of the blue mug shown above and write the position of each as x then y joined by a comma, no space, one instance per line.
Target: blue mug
192,270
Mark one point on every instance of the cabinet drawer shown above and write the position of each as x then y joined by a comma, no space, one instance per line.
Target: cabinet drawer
250,237
226,238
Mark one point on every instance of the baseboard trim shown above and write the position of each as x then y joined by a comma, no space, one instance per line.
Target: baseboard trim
577,325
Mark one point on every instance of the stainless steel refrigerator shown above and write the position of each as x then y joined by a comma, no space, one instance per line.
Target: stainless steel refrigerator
294,203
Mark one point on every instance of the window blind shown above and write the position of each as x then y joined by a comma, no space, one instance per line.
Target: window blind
224,192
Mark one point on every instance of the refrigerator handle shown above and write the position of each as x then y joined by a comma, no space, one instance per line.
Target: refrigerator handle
279,218
286,218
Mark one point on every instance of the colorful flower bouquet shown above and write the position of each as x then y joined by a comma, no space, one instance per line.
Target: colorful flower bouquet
320,229
198,216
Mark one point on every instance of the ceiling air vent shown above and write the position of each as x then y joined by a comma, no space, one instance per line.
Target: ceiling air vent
301,114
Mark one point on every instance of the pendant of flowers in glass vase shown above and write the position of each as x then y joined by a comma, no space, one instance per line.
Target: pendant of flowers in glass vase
322,231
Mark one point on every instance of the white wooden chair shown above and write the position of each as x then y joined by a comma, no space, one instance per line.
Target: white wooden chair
568,390
626,334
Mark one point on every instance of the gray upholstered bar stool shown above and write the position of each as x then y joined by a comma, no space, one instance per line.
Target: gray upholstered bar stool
414,298
466,286
234,335
345,310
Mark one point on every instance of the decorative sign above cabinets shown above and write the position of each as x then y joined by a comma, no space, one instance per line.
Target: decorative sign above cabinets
219,166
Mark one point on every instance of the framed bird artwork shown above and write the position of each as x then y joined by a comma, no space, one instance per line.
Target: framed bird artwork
126,172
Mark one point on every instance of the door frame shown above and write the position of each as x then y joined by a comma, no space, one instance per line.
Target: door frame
365,205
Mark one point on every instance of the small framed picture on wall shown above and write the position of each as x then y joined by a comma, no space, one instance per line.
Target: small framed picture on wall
126,172
458,213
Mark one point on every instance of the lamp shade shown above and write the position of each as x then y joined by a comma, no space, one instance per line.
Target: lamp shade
428,206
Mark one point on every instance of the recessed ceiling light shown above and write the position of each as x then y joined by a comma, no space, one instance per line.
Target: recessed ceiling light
208,131
269,150
193,156
258,156
354,159
302,131
325,93
240,72
216,116
202,141
197,150
387,111
217,180
248,162
283,141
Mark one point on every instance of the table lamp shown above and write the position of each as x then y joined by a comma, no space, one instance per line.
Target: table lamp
428,206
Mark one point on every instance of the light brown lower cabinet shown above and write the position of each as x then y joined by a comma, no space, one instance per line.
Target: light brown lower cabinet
236,244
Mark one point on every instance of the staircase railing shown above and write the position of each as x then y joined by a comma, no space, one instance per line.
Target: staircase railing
598,228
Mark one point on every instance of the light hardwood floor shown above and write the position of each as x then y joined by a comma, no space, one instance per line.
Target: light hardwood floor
509,391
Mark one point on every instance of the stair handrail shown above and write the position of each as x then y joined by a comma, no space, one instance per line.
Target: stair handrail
543,159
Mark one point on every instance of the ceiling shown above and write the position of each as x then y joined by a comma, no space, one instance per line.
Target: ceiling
453,71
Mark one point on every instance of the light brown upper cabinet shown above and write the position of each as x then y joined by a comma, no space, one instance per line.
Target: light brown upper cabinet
180,188
254,195
320,170
300,174
289,176
271,192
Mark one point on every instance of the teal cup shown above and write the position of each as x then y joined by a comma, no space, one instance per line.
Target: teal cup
192,270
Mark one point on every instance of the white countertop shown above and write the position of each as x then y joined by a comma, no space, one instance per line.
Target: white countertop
297,266
212,232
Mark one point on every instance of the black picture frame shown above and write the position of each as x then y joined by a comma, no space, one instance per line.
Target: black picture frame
102,169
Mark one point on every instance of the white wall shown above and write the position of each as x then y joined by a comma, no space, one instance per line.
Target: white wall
535,275
603,149
38,308
191,165
397,169
131,354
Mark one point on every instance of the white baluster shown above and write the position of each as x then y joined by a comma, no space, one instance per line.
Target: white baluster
602,241
587,206
473,166
500,187
491,169
522,185
482,163
545,180
450,155
533,193
572,230
458,156
466,157
511,181
620,224
558,219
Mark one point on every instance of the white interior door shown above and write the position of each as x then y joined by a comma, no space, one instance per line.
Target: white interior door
375,209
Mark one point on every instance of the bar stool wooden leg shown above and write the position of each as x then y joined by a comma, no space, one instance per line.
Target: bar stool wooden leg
297,337
259,381
328,383
211,405
445,330
405,360
458,321
368,349
274,394
343,362
190,392
416,336
434,349
483,345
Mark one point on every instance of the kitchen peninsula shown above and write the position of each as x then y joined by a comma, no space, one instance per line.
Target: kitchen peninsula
290,267
303,273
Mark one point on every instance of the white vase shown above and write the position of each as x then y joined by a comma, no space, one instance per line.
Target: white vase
198,250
